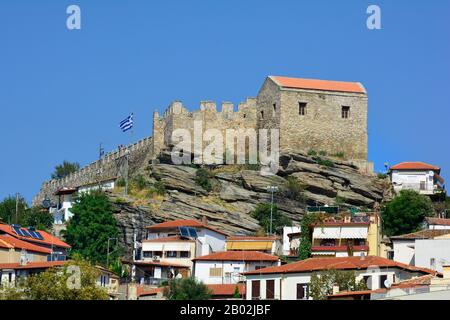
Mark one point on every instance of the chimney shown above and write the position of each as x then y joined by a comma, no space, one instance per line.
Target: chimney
335,289
204,220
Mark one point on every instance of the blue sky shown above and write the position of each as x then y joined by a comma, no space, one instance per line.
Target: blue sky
63,92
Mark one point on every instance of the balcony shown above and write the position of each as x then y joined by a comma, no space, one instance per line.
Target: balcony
338,248
422,188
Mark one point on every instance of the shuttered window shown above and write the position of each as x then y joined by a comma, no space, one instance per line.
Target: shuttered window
270,289
215,272
256,286
302,291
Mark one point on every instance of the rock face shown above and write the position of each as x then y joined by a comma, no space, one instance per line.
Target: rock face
236,193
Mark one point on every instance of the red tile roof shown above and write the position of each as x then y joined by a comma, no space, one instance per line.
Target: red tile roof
415,166
32,265
415,282
338,248
341,263
8,241
422,234
315,84
48,238
182,223
141,291
238,256
226,289
169,239
251,238
357,293
438,221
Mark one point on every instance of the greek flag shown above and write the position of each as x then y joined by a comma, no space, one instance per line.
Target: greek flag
127,123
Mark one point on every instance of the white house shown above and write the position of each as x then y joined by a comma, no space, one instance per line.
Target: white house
226,267
169,248
291,281
419,176
437,223
65,200
404,246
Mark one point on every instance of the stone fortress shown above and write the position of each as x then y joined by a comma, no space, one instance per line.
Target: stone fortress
329,116
319,115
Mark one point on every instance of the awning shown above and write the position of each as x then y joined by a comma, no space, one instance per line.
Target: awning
354,233
327,232
249,245
348,232
177,247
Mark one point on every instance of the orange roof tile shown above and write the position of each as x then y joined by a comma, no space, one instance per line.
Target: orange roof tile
142,291
422,234
238,256
19,244
438,221
341,263
182,223
415,166
32,265
48,238
415,282
315,84
226,289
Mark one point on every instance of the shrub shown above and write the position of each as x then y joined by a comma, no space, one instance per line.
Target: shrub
292,189
159,187
323,153
120,182
262,214
139,182
339,155
325,162
202,179
312,153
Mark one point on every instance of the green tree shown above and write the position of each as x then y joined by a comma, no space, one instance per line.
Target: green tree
65,169
306,236
91,226
8,209
76,280
405,213
262,214
236,293
187,289
37,217
321,284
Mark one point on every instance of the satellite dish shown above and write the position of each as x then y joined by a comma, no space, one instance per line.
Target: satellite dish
387,283
46,203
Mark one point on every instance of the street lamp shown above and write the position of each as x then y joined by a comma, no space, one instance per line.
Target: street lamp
107,254
271,189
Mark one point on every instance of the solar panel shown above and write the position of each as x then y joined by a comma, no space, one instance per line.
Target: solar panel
26,233
38,235
33,234
18,231
192,233
184,232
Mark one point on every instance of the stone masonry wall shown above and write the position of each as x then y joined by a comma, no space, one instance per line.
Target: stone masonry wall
104,169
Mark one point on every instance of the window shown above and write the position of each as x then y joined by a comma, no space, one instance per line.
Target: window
171,254
274,108
328,242
185,254
245,115
262,114
270,289
215,272
383,279
302,291
345,112
422,185
302,108
367,281
390,255
148,254
433,263
259,267
360,242
256,286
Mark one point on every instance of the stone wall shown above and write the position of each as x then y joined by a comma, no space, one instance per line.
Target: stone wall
107,168
208,117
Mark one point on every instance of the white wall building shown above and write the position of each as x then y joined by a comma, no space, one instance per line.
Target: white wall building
432,253
287,239
226,267
292,281
437,223
421,177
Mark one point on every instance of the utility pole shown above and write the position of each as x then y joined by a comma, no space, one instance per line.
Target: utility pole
271,189
107,254
17,207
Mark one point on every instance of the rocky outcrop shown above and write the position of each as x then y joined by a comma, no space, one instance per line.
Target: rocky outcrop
237,192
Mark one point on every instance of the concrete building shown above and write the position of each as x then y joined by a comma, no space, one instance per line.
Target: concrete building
419,176
291,281
437,223
226,267
288,248
404,247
